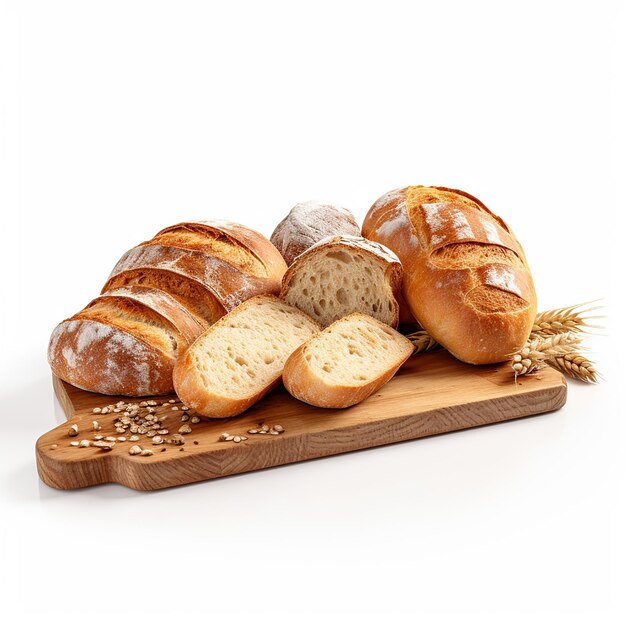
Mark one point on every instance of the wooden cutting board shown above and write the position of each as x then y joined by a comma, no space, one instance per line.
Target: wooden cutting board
432,393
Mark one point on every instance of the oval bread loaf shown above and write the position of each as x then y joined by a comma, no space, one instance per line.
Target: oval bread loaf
466,278
342,275
309,222
124,342
345,363
241,357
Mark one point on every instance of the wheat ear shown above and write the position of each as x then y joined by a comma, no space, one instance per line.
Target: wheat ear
575,365
537,352
422,341
568,319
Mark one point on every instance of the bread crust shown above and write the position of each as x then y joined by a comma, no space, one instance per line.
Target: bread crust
188,383
309,222
303,383
382,254
101,351
256,245
477,301
223,285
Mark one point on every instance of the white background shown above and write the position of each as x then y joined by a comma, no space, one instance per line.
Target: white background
119,118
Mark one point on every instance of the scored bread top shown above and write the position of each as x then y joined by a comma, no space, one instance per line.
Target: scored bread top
234,243
341,275
466,277
241,357
309,222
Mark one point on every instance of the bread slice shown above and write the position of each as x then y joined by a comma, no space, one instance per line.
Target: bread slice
241,357
345,363
342,275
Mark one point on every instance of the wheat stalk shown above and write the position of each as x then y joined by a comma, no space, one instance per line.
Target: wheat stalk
576,366
566,319
422,341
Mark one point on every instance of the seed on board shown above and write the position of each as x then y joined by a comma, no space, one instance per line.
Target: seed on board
165,404
185,429
110,438
229,438
163,431
95,425
151,411
96,410
144,403
174,408
278,428
184,408
195,419
223,436
74,443
195,443
119,430
98,437
134,450
121,438
151,433
172,401
104,411
134,438
253,431
73,430
151,402
184,417
177,440
54,446
157,440
146,452
236,438
274,432
84,443
104,445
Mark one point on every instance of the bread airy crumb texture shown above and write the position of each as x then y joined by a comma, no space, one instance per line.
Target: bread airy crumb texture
345,363
343,275
241,357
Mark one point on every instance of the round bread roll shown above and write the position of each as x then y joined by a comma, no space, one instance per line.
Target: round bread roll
466,279
309,222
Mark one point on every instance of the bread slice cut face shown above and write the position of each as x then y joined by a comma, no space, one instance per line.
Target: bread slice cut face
342,275
345,363
240,358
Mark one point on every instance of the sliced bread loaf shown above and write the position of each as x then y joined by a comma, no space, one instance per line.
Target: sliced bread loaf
345,363
241,357
342,275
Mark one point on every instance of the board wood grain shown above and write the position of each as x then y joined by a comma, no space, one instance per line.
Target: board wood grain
432,393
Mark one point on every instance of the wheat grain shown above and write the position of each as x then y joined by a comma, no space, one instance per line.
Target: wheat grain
422,341
566,319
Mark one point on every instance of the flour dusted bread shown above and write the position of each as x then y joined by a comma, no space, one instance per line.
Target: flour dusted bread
241,357
345,363
309,222
342,275
124,343
210,267
466,278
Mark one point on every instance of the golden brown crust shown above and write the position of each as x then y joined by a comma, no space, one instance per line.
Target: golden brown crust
466,278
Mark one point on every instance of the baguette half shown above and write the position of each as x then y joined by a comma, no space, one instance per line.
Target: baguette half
345,363
241,357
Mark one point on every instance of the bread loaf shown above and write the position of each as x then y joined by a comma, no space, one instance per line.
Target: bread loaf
466,278
124,342
241,357
345,363
309,222
342,275
210,267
